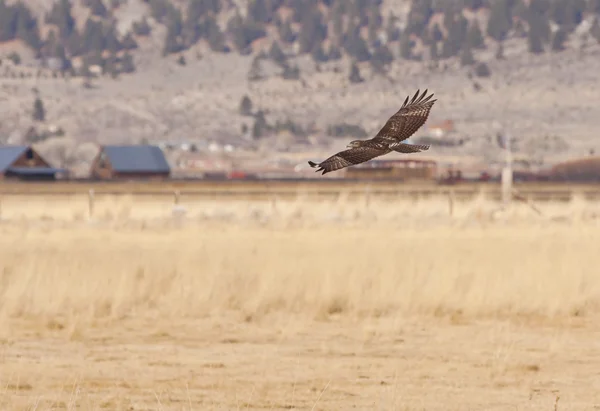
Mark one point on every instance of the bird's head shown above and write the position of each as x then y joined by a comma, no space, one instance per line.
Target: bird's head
354,144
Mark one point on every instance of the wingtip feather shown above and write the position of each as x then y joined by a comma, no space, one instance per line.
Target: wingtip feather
415,96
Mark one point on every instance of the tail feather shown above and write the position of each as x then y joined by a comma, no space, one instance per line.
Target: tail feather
315,165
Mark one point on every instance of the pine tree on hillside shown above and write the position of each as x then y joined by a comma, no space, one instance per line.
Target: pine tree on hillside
482,70
257,11
291,72
92,38
392,31
171,44
39,112
277,55
111,66
245,108
475,37
593,6
457,27
60,15
141,28
214,35
174,22
434,53
159,9
111,42
7,31
313,30
436,33
73,43
244,32
381,59
26,27
567,14
466,56
499,54
334,53
97,8
127,64
595,29
128,42
260,127
558,40
500,21
418,16
192,27
286,34
534,41
538,22
355,76
318,54
473,4
374,24
406,46
337,18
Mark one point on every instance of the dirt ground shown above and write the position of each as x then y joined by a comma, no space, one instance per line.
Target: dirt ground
445,363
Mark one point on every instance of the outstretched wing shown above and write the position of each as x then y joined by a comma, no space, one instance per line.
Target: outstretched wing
409,148
348,158
411,116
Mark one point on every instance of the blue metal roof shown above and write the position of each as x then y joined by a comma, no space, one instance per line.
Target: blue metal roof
34,171
141,158
9,154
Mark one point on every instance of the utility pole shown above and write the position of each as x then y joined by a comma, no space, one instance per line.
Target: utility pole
507,170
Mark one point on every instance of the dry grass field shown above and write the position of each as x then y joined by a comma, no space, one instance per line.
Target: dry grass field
330,305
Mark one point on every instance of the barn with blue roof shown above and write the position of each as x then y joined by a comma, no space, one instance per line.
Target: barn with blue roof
24,163
130,162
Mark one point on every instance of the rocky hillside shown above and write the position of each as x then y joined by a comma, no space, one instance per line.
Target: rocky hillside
292,75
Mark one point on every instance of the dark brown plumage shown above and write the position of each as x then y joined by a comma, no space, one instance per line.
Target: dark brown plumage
398,128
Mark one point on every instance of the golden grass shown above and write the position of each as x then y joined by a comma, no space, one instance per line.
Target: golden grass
95,272
299,304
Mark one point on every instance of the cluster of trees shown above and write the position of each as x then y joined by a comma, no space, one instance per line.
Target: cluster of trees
358,29
324,29
261,128
457,37
98,43
307,27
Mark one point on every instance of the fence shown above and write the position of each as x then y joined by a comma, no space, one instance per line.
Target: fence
178,193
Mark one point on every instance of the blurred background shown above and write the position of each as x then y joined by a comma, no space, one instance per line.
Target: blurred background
235,88
164,243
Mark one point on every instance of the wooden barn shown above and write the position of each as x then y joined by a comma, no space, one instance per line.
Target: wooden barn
24,163
580,170
130,162
410,169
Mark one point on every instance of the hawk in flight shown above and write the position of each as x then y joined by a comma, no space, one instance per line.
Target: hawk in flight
399,127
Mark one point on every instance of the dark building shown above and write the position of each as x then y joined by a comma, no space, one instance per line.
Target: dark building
130,162
577,170
24,163
403,169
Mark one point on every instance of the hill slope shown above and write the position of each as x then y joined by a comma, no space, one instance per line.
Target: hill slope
177,70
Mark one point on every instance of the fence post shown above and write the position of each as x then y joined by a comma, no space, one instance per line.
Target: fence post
91,203
451,202
273,203
176,195
506,185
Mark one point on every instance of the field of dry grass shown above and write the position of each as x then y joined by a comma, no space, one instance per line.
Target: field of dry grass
337,305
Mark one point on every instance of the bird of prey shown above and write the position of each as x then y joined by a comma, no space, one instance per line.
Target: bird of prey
404,123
